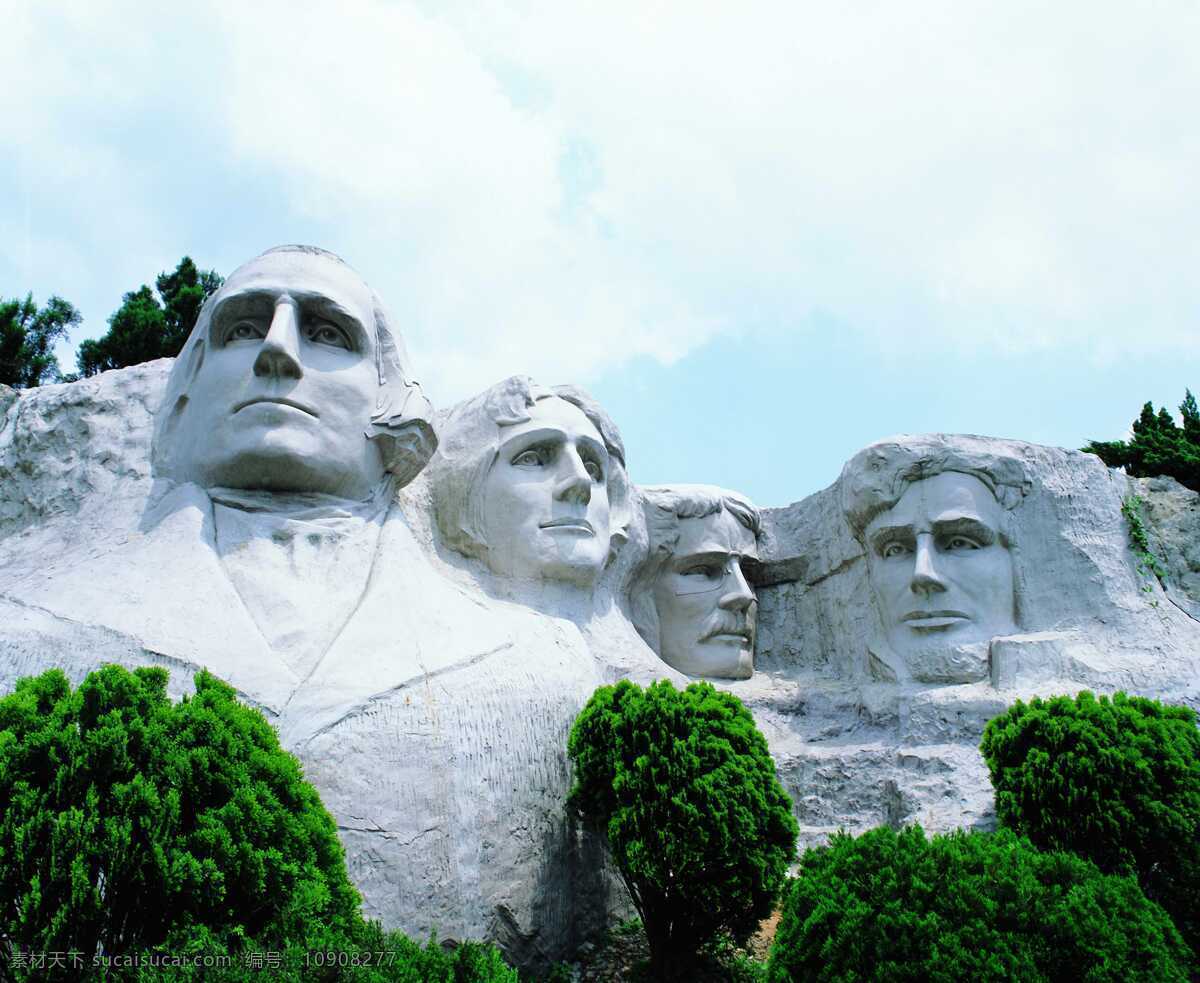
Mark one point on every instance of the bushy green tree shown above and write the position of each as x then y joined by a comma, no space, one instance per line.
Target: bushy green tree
374,956
1115,780
696,820
27,337
1158,446
895,906
130,824
147,326
183,293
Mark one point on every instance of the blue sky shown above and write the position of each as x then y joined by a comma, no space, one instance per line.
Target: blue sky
762,234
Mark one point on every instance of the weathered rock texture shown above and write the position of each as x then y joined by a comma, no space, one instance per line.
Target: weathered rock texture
435,725
75,447
856,753
1173,513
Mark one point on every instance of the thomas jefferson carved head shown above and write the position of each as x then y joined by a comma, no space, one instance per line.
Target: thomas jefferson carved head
293,381
691,600
934,518
531,481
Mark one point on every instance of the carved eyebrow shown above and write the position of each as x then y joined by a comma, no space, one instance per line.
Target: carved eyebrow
241,303
704,556
531,438
257,301
887,534
964,526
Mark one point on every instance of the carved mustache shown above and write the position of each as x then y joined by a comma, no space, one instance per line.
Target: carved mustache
728,623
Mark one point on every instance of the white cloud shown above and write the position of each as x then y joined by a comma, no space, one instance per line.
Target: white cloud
552,187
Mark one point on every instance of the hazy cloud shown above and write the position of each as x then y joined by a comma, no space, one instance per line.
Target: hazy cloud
552,187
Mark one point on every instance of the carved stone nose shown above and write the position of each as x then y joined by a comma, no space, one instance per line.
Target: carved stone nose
279,354
926,579
739,596
576,484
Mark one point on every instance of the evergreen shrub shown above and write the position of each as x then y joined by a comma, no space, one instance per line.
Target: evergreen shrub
136,828
1114,780
696,820
896,906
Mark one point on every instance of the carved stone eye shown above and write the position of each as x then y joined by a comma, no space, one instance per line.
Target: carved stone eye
244,331
533,458
961,543
324,333
893,549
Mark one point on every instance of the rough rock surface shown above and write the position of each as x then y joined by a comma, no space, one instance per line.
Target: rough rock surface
76,447
436,729
855,753
1173,512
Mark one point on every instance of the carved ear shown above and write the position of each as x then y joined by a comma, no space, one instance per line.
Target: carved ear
403,423
162,460
412,447
180,381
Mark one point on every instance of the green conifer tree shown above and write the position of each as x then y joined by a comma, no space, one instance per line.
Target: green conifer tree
684,787
27,338
1158,446
146,326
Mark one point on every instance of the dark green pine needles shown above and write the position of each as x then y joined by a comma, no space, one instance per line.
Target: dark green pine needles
128,820
895,906
134,827
696,820
1114,780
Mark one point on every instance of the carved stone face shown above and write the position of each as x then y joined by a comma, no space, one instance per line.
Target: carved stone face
284,394
940,575
706,609
546,497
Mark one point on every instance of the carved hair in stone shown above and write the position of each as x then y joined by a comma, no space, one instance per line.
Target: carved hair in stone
532,481
293,380
935,518
691,599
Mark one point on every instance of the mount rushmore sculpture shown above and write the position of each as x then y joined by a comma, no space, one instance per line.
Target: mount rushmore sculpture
422,601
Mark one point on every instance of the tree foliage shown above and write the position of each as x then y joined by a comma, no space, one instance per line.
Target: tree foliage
1158,446
1114,780
895,906
130,824
27,337
374,956
696,820
148,326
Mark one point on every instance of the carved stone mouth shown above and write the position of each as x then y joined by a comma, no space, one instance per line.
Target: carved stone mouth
276,399
569,524
728,634
922,615
933,620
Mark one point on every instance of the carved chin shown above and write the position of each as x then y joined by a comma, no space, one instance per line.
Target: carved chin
577,569
570,558
959,659
716,659
938,635
281,464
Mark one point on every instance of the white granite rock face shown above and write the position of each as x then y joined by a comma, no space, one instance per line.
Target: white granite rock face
77,447
1085,618
428,687
1173,514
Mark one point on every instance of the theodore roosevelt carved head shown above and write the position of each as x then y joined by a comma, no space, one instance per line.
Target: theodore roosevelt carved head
691,600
